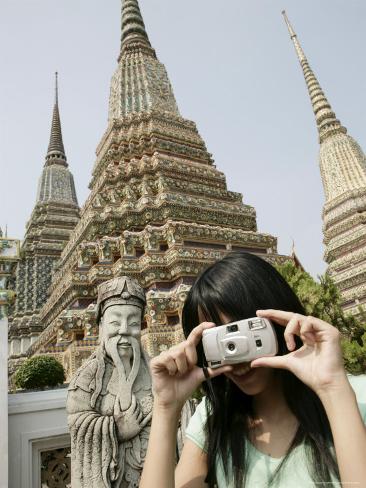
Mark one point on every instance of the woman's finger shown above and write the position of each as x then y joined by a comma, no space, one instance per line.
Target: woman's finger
312,325
292,329
213,372
196,334
216,372
164,362
309,338
319,330
307,332
278,316
179,356
171,366
295,327
191,355
292,322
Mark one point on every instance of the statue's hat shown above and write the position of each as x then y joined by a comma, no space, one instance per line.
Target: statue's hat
119,291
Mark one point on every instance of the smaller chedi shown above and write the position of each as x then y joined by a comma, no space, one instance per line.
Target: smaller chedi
109,401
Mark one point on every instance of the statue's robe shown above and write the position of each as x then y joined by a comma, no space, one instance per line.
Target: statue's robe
100,457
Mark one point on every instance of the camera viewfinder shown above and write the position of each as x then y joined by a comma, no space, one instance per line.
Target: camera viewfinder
232,328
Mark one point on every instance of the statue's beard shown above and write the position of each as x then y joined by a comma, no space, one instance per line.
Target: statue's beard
126,359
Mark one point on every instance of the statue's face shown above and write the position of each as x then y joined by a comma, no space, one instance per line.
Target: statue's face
120,323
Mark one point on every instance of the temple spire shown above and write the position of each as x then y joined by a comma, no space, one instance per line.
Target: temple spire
326,119
133,26
56,152
140,83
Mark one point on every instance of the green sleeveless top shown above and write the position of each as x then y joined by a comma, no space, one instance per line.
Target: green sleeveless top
261,466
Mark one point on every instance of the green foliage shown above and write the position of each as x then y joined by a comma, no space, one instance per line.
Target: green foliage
322,299
39,372
354,355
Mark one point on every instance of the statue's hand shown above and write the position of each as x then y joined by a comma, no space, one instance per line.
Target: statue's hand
129,422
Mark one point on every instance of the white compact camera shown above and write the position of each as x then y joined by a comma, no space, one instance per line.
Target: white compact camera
239,342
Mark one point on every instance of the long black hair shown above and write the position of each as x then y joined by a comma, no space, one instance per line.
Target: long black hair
238,286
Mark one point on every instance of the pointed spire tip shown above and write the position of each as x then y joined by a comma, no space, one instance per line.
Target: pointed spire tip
56,151
325,117
56,87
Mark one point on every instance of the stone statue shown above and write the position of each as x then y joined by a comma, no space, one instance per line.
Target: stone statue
109,402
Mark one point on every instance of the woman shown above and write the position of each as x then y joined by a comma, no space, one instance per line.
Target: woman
279,421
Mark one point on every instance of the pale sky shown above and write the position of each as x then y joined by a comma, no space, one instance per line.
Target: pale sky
234,72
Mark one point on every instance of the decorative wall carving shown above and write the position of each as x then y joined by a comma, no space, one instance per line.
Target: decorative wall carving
56,468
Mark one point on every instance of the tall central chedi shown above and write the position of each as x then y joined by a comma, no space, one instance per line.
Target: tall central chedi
343,172
158,211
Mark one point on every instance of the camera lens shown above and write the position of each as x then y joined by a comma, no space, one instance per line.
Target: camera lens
231,346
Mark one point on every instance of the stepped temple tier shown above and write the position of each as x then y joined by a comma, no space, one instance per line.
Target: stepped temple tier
9,257
158,211
343,172
53,218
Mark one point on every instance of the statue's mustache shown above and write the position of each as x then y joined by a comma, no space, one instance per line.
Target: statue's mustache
116,341
123,340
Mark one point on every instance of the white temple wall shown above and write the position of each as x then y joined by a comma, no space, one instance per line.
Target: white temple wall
37,423
3,403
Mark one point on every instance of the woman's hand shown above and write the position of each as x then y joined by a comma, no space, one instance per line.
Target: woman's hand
175,374
318,363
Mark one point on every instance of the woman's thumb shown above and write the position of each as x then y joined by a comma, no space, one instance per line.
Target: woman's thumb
270,362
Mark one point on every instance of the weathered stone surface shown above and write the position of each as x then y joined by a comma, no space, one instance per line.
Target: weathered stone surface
109,403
